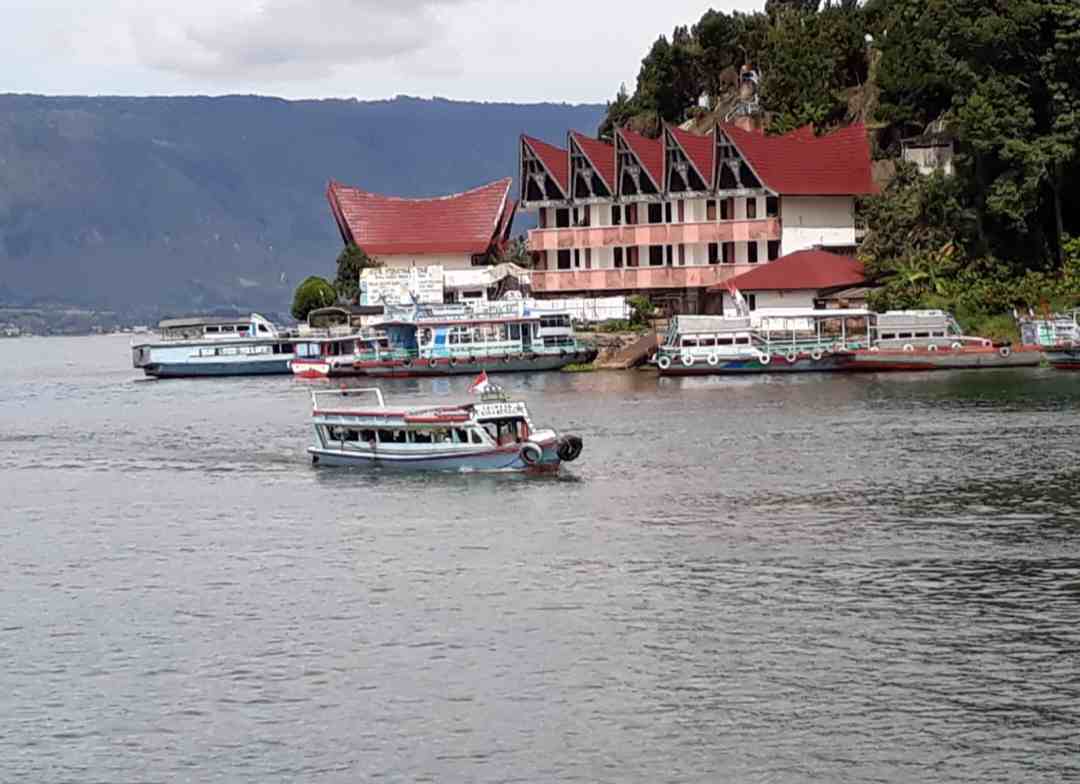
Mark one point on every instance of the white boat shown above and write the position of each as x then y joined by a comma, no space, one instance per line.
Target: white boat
356,427
205,346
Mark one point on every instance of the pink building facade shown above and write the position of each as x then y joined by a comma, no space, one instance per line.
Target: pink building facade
671,217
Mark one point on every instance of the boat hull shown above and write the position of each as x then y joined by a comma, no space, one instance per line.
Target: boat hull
262,367
487,461
1063,358
463,367
962,359
752,365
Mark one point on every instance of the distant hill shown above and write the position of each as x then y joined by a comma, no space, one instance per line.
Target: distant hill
179,204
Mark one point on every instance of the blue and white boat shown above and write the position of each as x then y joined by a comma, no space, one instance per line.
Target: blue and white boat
215,347
495,434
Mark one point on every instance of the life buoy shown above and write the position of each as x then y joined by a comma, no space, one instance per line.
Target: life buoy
453,362
1004,351
956,346
506,359
432,363
764,358
470,359
664,362
816,355
908,348
687,360
713,360
531,453
875,349
932,347
407,363
791,357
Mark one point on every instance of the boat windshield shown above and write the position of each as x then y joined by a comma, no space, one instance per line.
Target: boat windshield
508,430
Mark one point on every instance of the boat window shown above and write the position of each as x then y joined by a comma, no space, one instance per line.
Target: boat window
690,342
352,435
707,342
212,330
922,334
938,334
440,435
335,433
367,435
386,436
515,332
420,437
724,341
262,328
903,335
476,438
888,336
743,341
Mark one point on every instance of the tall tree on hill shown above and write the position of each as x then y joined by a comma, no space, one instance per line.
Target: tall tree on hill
669,81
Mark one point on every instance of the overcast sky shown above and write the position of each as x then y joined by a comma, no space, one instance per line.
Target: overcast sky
496,50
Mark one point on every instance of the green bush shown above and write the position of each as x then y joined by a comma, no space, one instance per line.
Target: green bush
314,292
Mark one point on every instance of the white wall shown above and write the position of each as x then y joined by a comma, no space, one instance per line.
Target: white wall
775,299
816,220
447,260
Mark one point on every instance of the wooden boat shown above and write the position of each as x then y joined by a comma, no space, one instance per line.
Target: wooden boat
334,356
495,434
208,346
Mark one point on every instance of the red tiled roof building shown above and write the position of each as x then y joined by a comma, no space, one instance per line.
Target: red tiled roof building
674,216
448,230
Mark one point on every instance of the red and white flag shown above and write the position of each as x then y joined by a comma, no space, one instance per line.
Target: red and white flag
480,384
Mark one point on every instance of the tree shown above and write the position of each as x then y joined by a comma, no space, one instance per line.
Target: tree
314,292
350,263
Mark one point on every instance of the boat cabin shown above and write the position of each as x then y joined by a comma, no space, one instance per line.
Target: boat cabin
353,345
215,328
896,329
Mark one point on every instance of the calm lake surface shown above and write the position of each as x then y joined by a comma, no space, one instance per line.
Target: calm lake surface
823,578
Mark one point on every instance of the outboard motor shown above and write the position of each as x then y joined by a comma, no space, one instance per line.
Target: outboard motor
569,448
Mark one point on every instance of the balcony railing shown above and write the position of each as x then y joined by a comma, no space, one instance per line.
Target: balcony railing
654,234
631,278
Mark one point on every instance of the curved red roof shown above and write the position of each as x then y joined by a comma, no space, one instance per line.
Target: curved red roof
468,222
801,164
600,154
801,271
555,159
701,150
649,151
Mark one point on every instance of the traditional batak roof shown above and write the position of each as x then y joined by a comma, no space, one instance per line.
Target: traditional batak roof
600,154
701,150
801,271
468,222
649,151
555,159
801,164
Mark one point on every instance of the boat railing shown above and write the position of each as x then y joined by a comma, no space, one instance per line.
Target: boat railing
475,350
339,395
778,345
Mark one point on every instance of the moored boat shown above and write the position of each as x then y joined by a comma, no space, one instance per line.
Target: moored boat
1058,335
210,346
336,356
495,434
442,340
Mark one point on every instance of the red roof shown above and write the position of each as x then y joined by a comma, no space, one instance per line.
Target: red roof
649,151
799,164
801,271
556,159
701,150
600,154
468,222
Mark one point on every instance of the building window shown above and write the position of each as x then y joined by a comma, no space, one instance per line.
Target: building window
727,209
682,211
751,301
656,255
710,209
772,207
616,214
714,253
667,213
656,213
588,258
632,256
774,249
751,209
729,252
562,218
751,252
618,254
564,259
682,254
543,217
631,214
669,252
577,257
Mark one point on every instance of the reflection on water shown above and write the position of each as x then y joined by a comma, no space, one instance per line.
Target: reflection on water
770,579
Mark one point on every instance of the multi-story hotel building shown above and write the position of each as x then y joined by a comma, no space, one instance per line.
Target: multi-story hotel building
673,216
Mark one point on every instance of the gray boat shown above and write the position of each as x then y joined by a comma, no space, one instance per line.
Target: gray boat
210,346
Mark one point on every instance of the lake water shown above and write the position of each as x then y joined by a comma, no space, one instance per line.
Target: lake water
817,578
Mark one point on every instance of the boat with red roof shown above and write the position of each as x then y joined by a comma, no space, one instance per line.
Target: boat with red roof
494,434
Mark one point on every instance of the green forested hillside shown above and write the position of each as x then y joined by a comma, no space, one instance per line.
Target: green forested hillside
1001,78
179,204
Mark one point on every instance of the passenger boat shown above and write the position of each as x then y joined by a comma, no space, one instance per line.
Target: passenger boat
215,347
932,340
1058,335
336,356
495,434
441,340
796,341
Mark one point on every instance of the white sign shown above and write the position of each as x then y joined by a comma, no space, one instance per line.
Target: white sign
401,285
494,410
